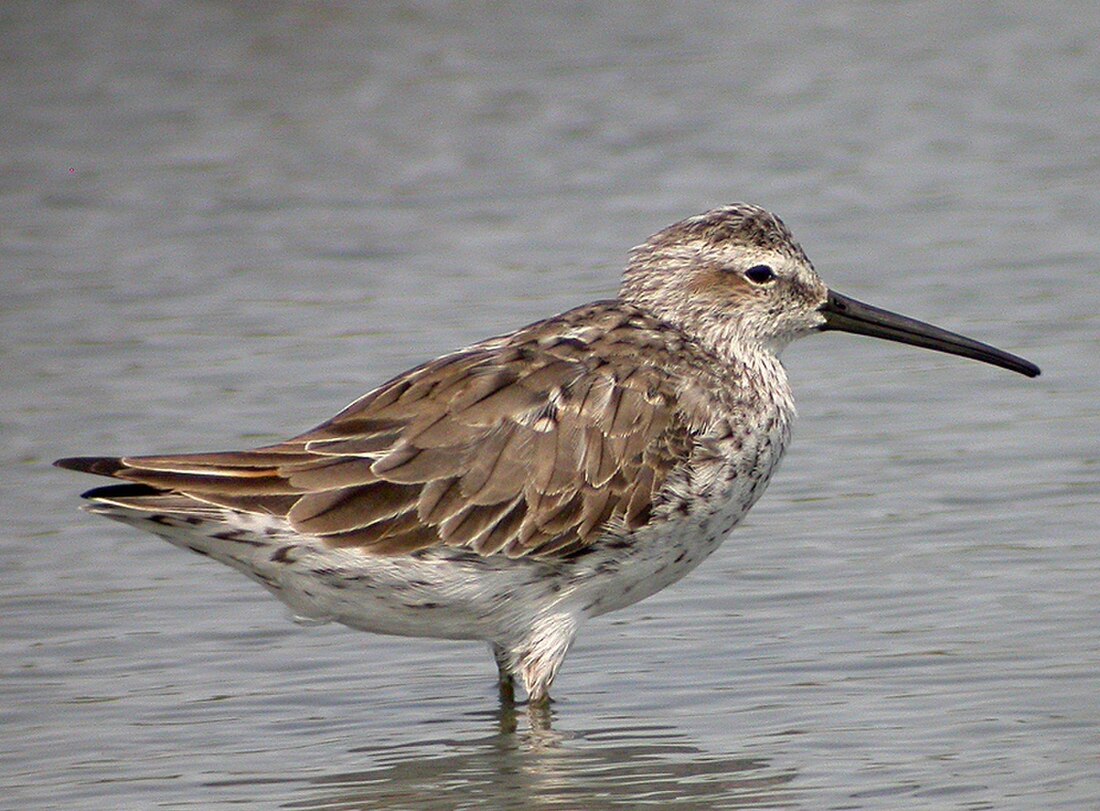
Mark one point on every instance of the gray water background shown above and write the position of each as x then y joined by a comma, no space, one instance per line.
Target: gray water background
220,222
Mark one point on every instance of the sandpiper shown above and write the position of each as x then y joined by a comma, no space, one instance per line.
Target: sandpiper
511,490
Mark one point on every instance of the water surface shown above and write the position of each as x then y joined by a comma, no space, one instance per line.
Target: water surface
222,222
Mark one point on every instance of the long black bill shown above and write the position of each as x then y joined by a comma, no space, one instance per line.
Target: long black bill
848,315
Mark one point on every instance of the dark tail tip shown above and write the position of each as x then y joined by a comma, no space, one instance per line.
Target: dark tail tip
100,465
112,491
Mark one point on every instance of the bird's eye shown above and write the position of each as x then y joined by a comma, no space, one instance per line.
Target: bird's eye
760,274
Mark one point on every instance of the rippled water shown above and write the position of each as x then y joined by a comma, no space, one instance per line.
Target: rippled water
220,222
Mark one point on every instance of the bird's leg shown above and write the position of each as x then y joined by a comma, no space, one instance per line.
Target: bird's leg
506,679
538,712
540,656
540,700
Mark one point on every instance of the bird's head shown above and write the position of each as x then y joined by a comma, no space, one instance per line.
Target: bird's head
735,280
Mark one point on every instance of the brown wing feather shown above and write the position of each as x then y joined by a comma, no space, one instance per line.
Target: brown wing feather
533,444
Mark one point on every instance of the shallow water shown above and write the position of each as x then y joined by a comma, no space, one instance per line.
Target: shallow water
221,222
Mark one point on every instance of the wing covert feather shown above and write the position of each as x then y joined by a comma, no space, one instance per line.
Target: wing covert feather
531,445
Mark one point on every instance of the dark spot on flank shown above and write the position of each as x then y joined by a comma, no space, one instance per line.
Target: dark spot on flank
234,536
282,554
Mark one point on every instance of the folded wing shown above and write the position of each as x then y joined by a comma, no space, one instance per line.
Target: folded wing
533,446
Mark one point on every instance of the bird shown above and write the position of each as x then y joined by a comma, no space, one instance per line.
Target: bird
512,490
